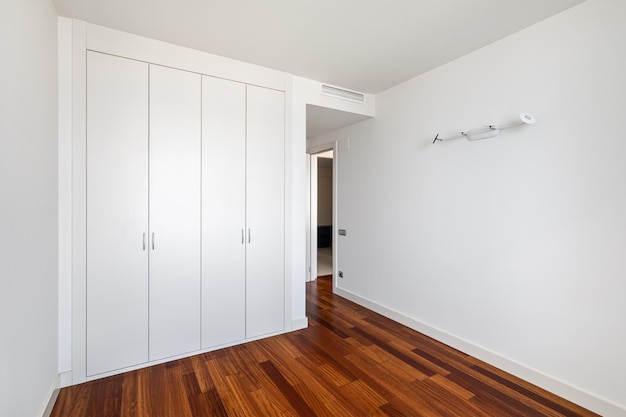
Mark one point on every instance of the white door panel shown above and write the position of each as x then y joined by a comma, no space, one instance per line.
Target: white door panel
223,211
175,174
265,286
117,213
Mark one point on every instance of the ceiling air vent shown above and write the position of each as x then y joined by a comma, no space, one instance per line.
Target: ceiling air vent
344,94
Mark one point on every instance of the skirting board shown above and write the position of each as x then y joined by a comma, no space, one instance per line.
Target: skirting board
51,398
65,379
301,323
560,388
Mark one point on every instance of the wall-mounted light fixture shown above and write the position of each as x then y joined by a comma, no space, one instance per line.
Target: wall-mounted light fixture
488,131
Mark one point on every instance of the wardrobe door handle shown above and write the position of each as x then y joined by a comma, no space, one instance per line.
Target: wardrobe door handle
249,236
144,241
152,240
242,237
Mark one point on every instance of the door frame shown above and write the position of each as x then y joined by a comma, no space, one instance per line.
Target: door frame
311,228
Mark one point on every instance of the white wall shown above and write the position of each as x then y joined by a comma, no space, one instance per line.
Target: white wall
28,210
511,248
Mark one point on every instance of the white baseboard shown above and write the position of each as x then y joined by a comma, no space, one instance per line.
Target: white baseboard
51,398
301,323
563,389
65,379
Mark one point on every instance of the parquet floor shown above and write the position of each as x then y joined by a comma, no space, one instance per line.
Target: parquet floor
348,362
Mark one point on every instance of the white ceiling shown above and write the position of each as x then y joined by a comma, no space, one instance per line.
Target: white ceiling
364,45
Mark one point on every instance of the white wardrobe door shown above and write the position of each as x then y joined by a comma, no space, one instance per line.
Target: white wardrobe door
265,286
117,213
175,157
223,211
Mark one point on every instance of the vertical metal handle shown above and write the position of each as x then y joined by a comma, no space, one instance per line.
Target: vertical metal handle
249,236
144,241
152,240
242,238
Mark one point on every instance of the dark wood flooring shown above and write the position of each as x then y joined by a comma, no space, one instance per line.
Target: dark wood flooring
348,362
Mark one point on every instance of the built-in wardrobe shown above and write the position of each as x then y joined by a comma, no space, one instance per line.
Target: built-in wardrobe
184,213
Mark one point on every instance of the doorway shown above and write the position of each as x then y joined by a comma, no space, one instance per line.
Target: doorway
325,213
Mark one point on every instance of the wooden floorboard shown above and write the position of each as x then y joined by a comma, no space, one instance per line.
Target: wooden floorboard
350,361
